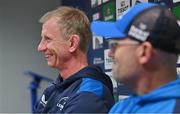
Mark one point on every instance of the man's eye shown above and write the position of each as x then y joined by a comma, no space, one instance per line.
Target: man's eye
47,39
113,45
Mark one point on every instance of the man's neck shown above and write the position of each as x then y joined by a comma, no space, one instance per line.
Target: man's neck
151,82
160,70
74,65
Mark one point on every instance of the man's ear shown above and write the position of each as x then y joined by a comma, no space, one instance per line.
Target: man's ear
145,52
74,43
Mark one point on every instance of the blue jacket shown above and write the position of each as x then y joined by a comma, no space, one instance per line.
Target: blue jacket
165,99
87,91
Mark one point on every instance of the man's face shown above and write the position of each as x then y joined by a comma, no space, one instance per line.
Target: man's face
52,44
125,61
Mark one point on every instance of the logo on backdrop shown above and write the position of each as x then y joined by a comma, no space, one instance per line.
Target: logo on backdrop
96,16
121,6
97,42
108,11
137,1
108,61
98,60
95,3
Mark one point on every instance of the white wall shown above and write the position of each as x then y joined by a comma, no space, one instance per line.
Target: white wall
19,37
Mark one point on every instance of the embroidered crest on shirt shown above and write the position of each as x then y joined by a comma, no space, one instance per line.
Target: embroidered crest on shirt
62,102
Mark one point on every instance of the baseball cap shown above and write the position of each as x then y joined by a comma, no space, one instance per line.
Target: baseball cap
150,22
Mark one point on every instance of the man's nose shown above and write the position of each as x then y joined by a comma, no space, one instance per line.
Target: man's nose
41,46
111,53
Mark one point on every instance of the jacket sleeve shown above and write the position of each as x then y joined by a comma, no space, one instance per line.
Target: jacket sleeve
85,102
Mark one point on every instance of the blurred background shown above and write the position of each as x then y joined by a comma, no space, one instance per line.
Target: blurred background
19,38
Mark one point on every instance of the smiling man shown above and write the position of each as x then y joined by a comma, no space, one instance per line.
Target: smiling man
79,88
144,44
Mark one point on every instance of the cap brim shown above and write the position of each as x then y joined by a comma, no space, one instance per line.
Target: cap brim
106,29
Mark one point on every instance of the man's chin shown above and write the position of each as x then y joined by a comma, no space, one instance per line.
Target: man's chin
116,76
51,65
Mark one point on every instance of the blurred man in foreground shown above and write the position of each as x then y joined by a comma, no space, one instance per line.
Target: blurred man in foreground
144,44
